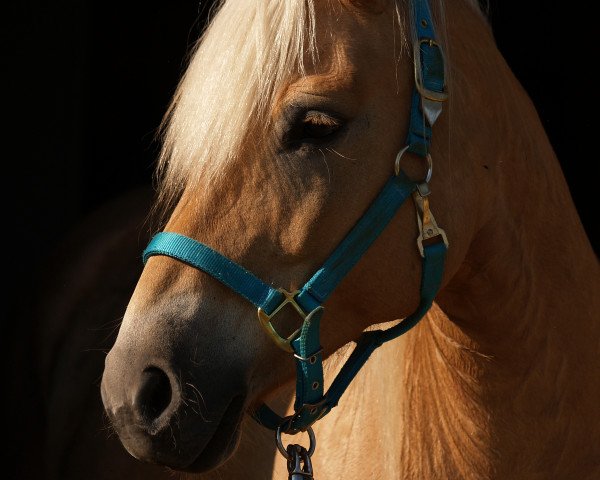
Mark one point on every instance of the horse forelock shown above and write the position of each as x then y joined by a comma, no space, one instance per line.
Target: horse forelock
247,52
235,70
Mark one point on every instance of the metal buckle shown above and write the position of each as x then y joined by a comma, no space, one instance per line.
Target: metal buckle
426,93
428,228
265,320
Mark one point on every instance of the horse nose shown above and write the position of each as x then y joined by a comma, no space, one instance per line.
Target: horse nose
152,396
149,395
140,397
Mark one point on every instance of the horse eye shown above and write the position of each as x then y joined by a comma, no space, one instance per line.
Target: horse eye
318,125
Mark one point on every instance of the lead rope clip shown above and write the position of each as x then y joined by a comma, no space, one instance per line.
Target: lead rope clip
299,464
428,227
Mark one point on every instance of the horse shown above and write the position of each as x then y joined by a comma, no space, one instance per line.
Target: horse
295,126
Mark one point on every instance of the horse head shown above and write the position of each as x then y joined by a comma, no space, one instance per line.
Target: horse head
284,129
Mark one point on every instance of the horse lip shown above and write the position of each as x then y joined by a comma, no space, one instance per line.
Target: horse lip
223,442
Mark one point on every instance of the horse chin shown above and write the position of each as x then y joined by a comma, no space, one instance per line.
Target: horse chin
198,453
224,441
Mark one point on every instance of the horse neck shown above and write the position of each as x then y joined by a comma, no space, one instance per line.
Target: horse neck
530,273
502,383
517,353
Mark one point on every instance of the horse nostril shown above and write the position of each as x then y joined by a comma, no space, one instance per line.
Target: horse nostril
153,396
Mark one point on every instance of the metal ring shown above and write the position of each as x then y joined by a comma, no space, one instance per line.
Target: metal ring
311,436
429,164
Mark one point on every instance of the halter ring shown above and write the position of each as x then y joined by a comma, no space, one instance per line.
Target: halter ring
427,157
280,447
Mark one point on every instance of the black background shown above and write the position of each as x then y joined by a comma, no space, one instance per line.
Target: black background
88,83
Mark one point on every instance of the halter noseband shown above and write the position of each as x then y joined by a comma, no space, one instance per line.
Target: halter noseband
311,403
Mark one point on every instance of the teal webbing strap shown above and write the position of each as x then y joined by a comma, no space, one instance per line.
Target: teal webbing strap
395,192
431,280
226,271
433,269
309,371
351,249
432,74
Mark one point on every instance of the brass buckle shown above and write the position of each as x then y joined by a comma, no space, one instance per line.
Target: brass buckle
265,320
428,227
426,93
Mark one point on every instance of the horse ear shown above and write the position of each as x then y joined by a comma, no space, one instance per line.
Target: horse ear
372,6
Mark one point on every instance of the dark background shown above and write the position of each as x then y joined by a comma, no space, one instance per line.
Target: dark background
88,83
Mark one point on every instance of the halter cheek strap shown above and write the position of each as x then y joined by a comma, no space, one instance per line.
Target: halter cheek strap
311,403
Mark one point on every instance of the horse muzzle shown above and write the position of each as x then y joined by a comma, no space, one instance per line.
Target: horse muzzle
166,418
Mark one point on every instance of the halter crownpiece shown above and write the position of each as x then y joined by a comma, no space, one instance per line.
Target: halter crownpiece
311,403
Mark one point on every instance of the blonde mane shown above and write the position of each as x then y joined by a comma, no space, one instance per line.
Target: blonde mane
245,54
247,51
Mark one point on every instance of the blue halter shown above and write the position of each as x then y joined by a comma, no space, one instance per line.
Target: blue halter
311,403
